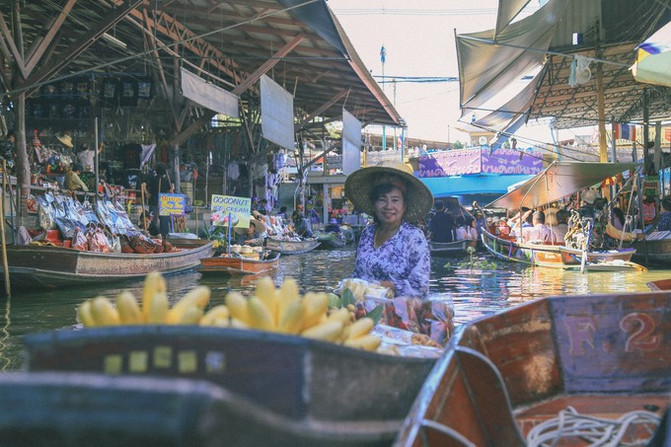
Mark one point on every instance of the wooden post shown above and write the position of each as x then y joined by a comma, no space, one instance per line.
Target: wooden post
5,264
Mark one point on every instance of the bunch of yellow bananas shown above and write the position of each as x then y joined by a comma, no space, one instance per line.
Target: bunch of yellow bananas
155,307
285,310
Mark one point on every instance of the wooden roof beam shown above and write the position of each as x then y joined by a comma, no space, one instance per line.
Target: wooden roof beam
44,42
320,110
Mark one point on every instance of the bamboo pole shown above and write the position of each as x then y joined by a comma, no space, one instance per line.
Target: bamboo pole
5,264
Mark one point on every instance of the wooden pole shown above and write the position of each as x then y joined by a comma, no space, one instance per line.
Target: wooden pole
144,210
5,264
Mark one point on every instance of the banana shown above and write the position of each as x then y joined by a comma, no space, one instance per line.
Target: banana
361,327
103,312
314,305
158,311
266,292
367,342
129,310
84,314
154,283
235,323
286,294
259,315
215,314
191,316
292,320
341,315
329,331
197,297
237,306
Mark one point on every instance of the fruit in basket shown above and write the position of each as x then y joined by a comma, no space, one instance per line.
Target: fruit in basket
129,310
103,312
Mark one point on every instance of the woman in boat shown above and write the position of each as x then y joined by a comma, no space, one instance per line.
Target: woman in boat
392,250
665,216
254,235
72,180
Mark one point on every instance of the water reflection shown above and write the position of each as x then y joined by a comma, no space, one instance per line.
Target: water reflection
474,292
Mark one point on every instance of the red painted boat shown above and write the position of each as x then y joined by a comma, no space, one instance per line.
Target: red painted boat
660,284
507,378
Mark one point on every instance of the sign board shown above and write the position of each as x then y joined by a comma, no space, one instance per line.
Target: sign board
239,208
171,204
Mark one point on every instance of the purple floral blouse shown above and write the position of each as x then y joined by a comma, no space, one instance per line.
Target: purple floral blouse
404,259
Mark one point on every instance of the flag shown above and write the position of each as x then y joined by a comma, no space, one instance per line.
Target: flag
625,132
383,54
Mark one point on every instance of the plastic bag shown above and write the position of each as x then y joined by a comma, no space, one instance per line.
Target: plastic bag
432,316
98,242
79,240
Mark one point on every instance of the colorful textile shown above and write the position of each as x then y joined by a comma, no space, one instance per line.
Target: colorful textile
404,259
664,222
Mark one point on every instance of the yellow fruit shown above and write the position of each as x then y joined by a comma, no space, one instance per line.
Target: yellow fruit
103,312
218,322
266,292
329,331
158,311
129,310
197,297
314,305
341,315
292,320
361,327
84,314
154,283
237,306
286,294
368,342
219,312
235,323
259,315
191,316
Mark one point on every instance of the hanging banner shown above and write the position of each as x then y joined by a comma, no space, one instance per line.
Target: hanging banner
351,143
171,204
277,113
208,95
239,208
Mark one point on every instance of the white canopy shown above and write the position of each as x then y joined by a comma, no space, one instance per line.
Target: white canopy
653,59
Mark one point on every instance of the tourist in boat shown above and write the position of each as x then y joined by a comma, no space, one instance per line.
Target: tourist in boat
561,228
392,251
539,233
441,226
254,235
466,229
665,216
72,180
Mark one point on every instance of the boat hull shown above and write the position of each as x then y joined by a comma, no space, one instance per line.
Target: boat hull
32,266
653,252
302,391
451,249
558,256
232,266
505,374
291,247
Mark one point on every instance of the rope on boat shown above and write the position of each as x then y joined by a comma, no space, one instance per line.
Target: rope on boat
599,432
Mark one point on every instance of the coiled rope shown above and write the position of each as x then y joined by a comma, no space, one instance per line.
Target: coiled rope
599,432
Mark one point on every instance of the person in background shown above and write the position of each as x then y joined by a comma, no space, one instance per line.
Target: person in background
282,213
302,225
86,156
561,228
8,150
254,235
649,209
160,183
618,218
441,226
72,180
664,223
539,232
392,250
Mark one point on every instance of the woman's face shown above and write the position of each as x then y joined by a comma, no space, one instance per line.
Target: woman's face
390,207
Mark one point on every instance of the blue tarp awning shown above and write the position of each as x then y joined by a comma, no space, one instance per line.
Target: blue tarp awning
472,184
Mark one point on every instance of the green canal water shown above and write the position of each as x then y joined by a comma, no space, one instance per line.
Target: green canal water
473,292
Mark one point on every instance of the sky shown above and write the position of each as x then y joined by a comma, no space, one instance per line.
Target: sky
419,40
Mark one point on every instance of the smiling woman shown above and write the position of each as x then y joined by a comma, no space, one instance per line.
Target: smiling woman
392,251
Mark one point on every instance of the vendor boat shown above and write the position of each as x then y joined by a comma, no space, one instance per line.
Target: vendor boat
654,251
515,377
291,246
330,240
660,284
236,264
451,249
263,388
46,266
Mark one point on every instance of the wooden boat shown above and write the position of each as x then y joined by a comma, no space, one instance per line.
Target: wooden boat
451,249
330,240
287,247
238,265
653,252
289,390
660,284
505,375
32,266
557,256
